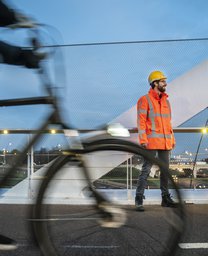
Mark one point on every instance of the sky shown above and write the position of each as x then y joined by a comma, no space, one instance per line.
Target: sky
103,81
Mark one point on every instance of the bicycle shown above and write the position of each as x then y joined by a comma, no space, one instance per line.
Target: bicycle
102,219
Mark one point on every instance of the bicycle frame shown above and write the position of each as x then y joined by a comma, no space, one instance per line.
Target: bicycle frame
53,118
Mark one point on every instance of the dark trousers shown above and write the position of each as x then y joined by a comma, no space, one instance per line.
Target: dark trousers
163,155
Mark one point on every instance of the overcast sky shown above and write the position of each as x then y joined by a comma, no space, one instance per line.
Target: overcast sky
102,81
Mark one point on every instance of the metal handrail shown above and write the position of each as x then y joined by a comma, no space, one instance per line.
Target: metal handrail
131,130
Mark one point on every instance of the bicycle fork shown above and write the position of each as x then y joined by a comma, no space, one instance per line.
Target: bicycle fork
111,215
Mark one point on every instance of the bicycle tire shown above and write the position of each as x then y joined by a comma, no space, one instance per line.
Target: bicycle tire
45,231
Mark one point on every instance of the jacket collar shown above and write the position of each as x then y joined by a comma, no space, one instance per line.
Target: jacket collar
154,94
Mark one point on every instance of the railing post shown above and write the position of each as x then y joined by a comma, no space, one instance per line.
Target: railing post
131,170
30,168
127,173
129,177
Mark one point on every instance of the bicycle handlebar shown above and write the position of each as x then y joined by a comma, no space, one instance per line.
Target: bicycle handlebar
26,101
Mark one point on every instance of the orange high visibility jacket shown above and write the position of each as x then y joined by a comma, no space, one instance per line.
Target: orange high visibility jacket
154,121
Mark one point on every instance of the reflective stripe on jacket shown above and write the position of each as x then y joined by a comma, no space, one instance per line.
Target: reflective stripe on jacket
154,121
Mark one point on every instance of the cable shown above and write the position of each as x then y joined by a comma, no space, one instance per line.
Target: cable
131,42
197,152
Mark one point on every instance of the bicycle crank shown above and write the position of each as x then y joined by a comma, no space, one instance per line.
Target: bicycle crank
111,216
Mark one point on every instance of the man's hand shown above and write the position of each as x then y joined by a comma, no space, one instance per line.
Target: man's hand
30,58
144,145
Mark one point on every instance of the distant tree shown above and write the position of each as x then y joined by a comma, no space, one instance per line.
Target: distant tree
15,151
187,172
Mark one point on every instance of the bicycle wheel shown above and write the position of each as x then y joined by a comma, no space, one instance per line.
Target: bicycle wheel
97,221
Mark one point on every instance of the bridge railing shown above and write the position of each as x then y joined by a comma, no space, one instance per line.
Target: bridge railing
189,169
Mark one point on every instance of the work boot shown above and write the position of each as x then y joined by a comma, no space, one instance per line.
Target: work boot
167,201
7,243
139,203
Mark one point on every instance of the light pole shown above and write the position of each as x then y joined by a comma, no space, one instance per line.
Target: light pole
5,150
4,156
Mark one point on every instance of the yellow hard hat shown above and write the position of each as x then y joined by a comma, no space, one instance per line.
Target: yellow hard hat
156,75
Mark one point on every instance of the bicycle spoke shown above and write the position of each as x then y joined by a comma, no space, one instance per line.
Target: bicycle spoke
101,227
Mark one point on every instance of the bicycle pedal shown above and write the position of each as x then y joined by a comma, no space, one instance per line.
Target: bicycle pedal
112,216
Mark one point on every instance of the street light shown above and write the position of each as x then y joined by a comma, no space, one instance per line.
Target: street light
4,156
59,147
5,131
6,150
205,130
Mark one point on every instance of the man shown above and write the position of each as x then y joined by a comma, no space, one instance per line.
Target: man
155,134
14,55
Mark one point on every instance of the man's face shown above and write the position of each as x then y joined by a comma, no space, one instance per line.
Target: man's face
162,85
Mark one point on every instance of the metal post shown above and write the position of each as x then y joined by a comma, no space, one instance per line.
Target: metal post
4,154
127,173
28,165
29,168
131,170
31,161
129,182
